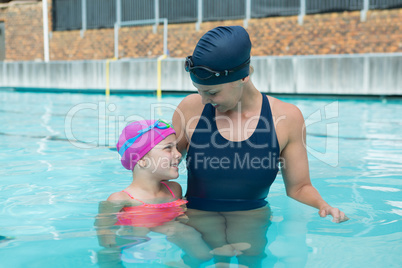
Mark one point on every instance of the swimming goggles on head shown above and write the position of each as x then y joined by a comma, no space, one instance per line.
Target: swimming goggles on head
159,124
189,67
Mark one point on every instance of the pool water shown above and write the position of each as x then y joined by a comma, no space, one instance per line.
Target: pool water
57,163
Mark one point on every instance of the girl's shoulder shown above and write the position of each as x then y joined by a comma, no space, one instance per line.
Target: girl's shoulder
123,199
175,188
119,196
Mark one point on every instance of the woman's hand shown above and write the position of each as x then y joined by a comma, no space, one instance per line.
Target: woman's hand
337,215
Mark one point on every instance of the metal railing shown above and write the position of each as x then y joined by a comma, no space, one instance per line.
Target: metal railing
93,14
67,15
2,41
271,8
319,6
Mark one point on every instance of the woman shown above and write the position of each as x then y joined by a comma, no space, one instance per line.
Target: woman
235,137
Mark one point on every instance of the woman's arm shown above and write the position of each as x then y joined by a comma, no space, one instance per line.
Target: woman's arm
295,169
185,119
179,125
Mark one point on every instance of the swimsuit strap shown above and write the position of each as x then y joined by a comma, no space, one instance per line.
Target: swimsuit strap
132,197
170,190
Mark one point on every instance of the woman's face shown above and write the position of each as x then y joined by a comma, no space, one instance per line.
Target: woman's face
223,97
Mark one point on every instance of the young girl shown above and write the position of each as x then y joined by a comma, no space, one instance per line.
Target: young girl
151,202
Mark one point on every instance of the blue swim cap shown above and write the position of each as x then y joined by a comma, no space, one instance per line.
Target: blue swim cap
223,50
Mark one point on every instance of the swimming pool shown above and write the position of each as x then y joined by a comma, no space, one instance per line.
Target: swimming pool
56,166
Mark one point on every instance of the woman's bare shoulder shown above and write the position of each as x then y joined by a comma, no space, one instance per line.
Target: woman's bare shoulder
189,108
284,110
193,97
191,103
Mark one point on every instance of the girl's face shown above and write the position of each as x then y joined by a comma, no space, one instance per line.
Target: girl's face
223,97
163,160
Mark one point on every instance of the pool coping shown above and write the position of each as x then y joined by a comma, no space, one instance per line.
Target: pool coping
186,92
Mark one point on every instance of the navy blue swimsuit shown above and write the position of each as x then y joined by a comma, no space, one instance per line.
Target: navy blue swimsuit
228,175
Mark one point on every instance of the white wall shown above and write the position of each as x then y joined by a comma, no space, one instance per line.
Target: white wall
362,74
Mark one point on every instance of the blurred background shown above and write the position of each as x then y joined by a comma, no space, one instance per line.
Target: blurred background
299,46
338,61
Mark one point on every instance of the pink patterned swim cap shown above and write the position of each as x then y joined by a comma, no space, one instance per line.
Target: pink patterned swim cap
138,138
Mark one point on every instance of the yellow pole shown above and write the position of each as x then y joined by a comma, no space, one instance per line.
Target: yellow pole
158,89
107,94
107,91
